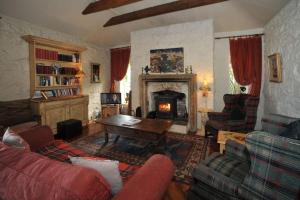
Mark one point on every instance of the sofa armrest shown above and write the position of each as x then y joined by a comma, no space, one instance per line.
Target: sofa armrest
37,137
236,150
218,116
150,182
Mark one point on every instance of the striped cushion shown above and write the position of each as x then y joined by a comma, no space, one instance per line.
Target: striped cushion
275,167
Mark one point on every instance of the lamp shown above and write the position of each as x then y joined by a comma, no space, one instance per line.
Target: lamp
80,73
205,88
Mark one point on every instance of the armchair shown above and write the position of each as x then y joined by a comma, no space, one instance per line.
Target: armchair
239,114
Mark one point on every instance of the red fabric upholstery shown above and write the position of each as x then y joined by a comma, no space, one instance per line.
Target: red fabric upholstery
28,175
37,137
150,182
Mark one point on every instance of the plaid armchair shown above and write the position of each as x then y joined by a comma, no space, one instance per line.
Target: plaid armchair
239,114
274,171
220,175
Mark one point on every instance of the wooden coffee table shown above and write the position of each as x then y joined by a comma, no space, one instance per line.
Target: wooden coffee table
223,136
153,130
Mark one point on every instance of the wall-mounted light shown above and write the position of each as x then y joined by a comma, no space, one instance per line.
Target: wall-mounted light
205,88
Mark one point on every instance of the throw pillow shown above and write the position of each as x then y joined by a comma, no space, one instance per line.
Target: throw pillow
12,139
292,131
109,169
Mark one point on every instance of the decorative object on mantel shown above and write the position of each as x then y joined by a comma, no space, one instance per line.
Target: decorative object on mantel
147,69
275,67
95,73
167,60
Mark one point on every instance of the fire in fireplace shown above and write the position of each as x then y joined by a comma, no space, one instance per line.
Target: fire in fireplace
164,107
170,105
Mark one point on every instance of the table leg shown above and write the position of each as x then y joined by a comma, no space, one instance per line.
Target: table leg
106,137
116,139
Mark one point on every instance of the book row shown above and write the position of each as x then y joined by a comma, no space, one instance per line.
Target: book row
42,69
56,81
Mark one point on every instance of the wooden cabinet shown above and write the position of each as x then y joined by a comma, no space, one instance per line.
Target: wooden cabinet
109,110
59,110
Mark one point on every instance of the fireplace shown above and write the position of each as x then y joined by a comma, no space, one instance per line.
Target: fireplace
170,105
180,104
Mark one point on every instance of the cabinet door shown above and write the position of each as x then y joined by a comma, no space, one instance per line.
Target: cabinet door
54,115
77,111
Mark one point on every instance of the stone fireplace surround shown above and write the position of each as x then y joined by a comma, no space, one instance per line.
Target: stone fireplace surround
184,83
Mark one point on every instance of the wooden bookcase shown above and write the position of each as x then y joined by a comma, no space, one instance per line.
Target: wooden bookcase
56,81
48,74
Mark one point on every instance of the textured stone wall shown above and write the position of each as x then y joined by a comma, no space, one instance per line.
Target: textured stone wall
282,35
14,61
197,40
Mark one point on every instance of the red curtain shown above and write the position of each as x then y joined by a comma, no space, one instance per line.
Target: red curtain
119,64
246,58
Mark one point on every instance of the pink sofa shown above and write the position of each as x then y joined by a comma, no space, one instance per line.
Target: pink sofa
29,175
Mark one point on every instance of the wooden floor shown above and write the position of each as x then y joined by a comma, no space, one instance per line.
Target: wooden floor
175,191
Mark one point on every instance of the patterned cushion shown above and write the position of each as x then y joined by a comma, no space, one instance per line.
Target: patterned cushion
275,167
60,150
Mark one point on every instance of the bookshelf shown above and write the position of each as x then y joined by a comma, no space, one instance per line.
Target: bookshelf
54,68
56,81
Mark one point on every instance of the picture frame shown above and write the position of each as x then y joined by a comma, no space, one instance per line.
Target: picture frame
169,60
95,73
275,67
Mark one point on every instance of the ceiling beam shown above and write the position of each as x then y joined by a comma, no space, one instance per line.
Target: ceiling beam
159,10
105,4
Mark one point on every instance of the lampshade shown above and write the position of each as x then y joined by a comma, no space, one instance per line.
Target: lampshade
205,88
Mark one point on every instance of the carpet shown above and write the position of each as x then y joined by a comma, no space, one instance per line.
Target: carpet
186,151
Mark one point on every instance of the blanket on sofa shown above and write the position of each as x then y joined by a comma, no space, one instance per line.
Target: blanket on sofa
60,150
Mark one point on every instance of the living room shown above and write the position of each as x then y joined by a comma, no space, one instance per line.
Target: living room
140,99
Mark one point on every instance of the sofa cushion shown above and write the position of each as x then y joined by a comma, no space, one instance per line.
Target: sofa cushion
107,168
10,138
28,175
37,137
292,131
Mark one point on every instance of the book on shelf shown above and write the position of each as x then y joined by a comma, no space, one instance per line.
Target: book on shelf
55,69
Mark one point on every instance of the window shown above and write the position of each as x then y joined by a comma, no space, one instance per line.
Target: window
235,88
125,84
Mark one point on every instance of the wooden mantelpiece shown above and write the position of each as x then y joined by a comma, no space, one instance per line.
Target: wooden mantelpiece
190,79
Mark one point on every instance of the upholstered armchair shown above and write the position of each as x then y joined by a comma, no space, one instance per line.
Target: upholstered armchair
239,114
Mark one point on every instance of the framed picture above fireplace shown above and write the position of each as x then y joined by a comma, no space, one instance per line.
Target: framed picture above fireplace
167,60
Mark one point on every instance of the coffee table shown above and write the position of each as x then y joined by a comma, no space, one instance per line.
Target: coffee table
223,136
153,130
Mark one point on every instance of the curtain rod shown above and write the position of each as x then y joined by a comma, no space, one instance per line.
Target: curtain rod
238,36
127,47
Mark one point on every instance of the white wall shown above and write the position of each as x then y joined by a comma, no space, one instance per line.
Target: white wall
197,40
14,61
282,35
221,72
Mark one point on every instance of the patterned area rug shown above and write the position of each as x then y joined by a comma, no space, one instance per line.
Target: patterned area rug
186,151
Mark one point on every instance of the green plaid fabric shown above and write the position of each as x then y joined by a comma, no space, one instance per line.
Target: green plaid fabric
275,168
223,173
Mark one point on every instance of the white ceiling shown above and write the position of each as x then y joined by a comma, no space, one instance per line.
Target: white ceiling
65,16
